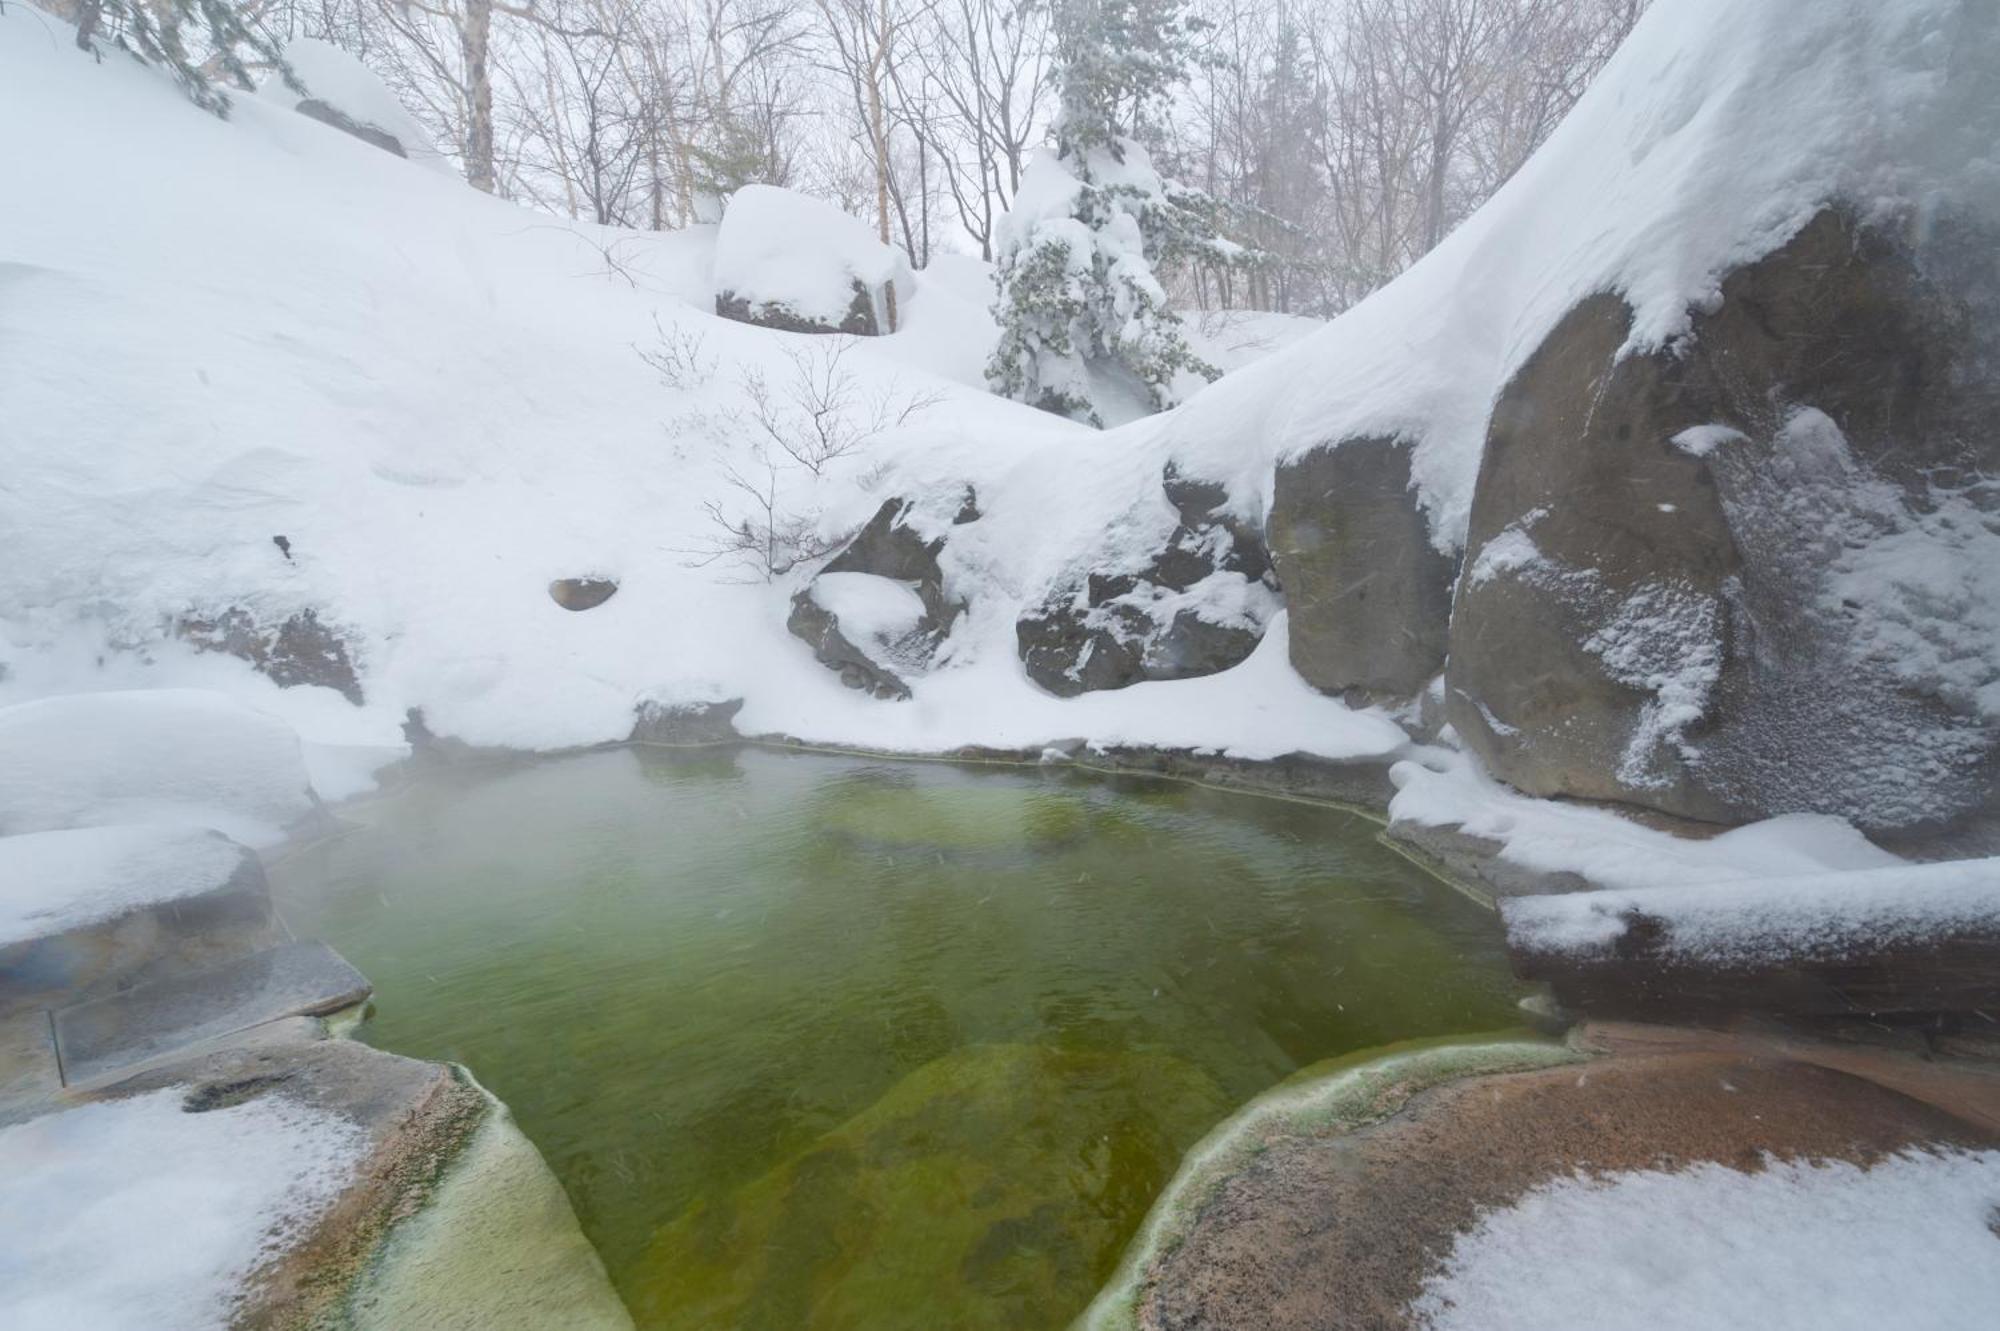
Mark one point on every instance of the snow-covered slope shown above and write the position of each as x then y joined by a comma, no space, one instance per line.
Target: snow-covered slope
216,334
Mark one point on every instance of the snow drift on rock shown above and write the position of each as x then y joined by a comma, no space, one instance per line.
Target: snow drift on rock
52,882
332,76
134,1213
180,756
1828,1246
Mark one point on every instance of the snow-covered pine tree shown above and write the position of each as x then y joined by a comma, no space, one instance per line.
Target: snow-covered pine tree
157,31
1083,319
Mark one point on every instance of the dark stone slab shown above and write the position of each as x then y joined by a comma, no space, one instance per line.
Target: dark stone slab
140,1024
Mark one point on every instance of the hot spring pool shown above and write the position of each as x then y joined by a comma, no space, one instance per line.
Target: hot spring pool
821,1041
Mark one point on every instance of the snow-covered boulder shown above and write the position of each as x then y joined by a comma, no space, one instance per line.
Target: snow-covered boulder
55,882
342,92
879,610
1368,590
796,263
1757,571
182,756
1195,604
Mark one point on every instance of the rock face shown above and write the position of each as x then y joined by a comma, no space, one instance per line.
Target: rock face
1343,1231
582,593
1369,595
858,320
328,114
879,610
301,650
686,723
1751,573
1199,605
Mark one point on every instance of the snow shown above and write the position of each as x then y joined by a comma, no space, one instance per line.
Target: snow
875,607
777,246
1813,1245
131,1214
333,76
434,396
181,756
53,882
1438,787
1819,916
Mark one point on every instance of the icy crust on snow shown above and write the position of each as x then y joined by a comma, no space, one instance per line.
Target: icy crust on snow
180,756
1828,1245
1713,135
777,246
135,1213
52,882
333,76
1807,916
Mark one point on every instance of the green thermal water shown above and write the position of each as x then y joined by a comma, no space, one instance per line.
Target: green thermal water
819,1041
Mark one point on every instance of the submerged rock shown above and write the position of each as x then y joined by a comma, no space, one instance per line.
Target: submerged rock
1740,576
1369,594
1020,1169
1197,606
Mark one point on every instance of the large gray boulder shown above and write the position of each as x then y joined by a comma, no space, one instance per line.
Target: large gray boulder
1368,591
1197,605
1751,573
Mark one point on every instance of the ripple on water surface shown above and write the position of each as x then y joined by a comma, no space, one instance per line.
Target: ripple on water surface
819,1041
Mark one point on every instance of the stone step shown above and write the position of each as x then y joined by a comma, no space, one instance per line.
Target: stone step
137,1026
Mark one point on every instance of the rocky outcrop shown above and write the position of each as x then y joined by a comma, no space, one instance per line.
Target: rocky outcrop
582,593
1199,605
303,649
691,723
1369,594
328,114
859,319
879,610
1746,574
1315,1225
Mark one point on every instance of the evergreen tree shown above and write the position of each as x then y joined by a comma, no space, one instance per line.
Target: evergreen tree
1080,309
156,31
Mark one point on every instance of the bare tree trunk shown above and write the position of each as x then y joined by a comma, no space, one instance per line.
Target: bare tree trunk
475,37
